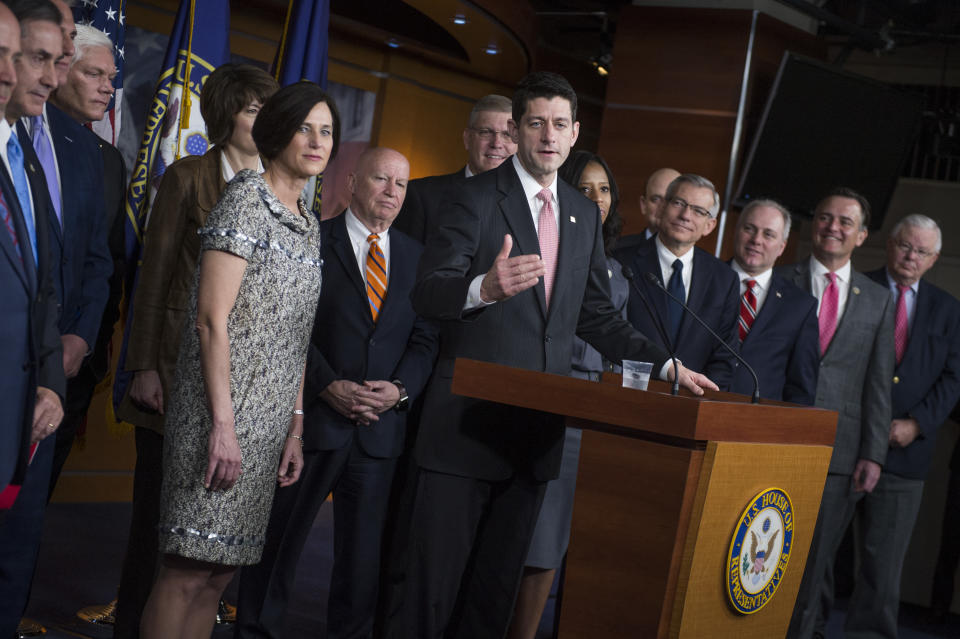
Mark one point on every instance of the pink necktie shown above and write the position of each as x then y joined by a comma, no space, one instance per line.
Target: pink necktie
549,240
900,325
828,312
748,309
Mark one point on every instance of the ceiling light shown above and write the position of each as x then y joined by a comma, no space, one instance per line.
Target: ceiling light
393,43
460,19
492,49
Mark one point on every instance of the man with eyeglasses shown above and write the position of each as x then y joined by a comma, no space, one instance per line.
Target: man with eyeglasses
651,205
855,317
706,284
926,386
488,143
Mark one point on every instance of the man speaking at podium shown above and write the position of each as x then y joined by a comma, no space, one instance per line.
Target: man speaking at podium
513,270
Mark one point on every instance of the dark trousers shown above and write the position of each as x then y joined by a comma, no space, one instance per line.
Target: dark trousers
468,542
79,395
949,556
361,494
20,539
140,561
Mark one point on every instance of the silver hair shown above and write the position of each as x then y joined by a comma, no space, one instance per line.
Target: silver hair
88,37
492,102
699,181
918,221
787,219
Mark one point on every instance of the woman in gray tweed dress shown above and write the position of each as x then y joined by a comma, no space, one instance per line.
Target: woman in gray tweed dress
235,421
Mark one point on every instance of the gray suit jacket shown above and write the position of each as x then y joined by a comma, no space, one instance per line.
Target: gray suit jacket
856,371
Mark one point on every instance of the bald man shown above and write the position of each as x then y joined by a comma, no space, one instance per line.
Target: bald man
355,406
651,205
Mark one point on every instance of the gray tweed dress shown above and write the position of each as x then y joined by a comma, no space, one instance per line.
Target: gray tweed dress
269,329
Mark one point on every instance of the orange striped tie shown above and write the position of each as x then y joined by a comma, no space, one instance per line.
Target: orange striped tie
376,276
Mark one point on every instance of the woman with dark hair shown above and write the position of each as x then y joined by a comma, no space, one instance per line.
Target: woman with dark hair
231,98
235,424
588,173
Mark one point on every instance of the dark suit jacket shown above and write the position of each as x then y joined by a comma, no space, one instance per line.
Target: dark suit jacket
926,382
714,295
346,344
80,247
783,346
483,440
423,200
114,194
856,370
31,355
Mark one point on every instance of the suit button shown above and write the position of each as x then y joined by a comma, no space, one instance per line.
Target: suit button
373,342
547,339
896,380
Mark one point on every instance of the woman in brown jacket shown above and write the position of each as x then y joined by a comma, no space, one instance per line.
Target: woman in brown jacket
231,98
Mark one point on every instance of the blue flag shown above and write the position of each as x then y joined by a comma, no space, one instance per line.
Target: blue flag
303,56
303,48
199,43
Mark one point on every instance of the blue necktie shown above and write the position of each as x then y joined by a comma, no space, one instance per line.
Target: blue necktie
41,144
15,157
674,310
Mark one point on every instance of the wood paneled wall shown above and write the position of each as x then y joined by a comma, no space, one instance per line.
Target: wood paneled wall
674,89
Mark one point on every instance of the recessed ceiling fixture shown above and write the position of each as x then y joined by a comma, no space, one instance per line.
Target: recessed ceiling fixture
393,43
460,19
492,49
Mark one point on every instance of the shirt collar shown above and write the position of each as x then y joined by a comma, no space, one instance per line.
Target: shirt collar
357,229
667,256
227,170
818,270
530,185
467,172
762,280
5,133
892,283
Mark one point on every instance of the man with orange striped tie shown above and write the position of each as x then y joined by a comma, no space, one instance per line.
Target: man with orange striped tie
370,356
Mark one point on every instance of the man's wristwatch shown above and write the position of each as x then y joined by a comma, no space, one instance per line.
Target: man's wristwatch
404,402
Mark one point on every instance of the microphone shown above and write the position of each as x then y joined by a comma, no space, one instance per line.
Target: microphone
628,273
756,382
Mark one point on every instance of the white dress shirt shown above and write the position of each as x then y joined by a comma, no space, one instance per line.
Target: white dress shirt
760,289
667,259
358,234
5,132
819,283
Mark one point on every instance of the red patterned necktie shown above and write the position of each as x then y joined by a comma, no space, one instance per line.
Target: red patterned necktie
8,222
549,240
748,309
900,324
376,276
829,305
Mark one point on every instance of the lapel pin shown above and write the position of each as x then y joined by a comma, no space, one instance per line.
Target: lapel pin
70,140
32,170
856,290
778,294
573,219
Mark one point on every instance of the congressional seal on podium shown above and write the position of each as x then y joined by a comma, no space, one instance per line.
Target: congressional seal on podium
759,551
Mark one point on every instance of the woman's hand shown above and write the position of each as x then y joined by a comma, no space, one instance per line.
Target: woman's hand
291,462
146,390
223,467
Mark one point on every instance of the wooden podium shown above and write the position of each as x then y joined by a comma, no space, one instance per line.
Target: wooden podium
663,481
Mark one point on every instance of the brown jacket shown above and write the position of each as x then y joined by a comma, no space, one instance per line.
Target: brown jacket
189,190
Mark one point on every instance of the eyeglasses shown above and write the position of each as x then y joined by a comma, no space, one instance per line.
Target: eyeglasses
906,249
679,203
490,134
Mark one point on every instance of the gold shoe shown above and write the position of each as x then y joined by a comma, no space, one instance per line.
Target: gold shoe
103,614
30,628
226,613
